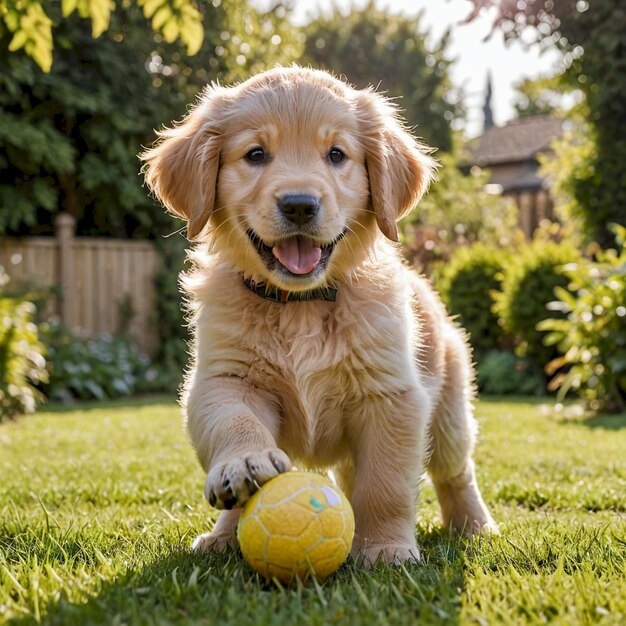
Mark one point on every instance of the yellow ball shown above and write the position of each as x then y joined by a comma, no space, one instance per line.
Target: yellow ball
298,524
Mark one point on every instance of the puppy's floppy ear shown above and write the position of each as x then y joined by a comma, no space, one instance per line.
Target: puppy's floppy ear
398,167
182,167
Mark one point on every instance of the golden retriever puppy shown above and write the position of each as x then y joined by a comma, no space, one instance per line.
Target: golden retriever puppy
313,343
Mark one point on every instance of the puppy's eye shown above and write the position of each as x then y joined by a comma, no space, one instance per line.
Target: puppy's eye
256,156
336,156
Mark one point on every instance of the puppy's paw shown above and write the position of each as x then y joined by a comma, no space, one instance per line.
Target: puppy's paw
484,525
468,515
367,553
229,484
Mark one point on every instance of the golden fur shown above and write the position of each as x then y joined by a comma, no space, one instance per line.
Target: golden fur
378,384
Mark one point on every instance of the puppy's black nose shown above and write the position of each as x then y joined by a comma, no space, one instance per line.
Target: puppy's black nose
299,208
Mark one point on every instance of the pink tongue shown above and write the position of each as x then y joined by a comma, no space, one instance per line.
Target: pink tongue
298,254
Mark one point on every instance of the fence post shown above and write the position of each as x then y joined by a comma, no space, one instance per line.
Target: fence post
65,227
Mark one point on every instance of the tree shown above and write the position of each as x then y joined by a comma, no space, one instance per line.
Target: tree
569,161
513,16
542,96
69,138
373,47
30,23
592,38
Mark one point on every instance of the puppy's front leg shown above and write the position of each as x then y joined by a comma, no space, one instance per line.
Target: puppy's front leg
389,442
233,428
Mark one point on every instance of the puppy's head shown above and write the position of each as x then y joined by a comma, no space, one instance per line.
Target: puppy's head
291,174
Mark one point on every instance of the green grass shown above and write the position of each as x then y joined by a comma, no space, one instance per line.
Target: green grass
99,504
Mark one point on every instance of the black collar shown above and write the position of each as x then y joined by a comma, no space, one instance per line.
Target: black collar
275,294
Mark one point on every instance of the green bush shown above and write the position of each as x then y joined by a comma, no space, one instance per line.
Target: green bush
592,336
503,373
529,279
466,283
22,362
94,367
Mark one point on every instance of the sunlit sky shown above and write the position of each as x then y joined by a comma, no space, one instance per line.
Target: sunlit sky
474,56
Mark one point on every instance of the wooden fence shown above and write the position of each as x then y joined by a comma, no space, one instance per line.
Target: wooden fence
100,282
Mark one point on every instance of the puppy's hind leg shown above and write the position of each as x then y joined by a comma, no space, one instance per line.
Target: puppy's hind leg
453,432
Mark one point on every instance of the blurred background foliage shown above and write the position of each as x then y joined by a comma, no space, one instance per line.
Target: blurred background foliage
457,211
592,38
22,364
84,84
30,23
69,137
371,47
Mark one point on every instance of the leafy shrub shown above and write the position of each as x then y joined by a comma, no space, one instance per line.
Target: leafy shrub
94,367
466,283
529,279
592,336
22,364
504,373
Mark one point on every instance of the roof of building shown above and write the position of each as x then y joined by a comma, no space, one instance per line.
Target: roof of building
518,140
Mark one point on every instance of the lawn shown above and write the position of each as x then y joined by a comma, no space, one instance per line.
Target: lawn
99,504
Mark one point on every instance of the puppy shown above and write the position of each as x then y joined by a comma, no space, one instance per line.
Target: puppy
313,343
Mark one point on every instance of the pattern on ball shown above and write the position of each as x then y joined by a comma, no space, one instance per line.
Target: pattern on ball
297,524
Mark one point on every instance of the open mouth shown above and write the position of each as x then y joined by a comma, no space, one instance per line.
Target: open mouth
297,256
